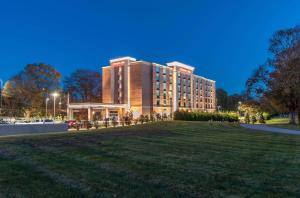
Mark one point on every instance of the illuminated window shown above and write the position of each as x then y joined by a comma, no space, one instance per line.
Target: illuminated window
164,70
157,85
157,69
165,78
157,77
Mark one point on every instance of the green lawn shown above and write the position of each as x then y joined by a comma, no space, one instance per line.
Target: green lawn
171,159
282,123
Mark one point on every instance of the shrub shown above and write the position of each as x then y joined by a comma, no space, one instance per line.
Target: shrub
266,116
247,118
142,119
261,118
205,116
253,119
114,121
146,118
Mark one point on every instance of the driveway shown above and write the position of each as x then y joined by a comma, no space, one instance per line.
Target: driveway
263,127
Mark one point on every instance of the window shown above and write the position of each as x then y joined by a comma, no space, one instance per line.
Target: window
164,70
165,86
157,103
178,88
157,85
157,77
165,78
157,94
157,69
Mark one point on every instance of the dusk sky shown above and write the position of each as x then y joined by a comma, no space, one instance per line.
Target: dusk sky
224,40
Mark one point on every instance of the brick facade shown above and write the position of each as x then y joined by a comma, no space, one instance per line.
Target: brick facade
149,88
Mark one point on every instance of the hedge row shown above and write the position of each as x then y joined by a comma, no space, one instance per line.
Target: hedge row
205,116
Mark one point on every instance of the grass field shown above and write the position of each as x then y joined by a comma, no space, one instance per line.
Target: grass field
282,123
171,159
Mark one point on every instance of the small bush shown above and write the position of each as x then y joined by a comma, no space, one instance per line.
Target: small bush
253,119
247,118
261,118
266,116
205,116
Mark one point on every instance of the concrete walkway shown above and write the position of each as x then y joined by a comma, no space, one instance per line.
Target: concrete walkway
263,127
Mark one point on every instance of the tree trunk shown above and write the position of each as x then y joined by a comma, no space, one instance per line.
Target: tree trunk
298,116
292,117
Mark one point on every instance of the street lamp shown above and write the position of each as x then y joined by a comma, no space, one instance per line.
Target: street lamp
47,100
55,95
1,84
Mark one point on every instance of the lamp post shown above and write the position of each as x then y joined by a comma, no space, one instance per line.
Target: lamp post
1,84
46,114
239,108
55,94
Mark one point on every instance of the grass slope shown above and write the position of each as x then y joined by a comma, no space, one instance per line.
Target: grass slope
173,159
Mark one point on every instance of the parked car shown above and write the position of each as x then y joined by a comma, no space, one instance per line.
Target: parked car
21,121
48,121
71,124
2,122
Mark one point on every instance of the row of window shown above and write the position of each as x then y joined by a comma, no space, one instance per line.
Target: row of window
164,102
120,85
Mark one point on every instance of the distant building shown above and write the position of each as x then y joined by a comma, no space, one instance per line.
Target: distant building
149,88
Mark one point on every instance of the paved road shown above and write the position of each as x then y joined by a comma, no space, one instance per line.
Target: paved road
262,127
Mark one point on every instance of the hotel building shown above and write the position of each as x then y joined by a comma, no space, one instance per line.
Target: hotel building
146,88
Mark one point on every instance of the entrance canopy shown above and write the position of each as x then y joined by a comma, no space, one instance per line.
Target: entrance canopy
95,106
91,107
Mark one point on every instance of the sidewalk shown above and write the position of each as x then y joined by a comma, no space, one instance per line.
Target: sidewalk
263,127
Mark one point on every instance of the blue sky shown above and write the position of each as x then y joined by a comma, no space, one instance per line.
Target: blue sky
224,40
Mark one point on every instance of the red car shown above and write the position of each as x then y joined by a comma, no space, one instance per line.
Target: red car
71,124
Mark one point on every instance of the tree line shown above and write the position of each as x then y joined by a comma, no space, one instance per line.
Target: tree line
278,79
274,87
28,92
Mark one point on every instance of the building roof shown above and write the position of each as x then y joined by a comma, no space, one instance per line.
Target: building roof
182,65
122,59
197,76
